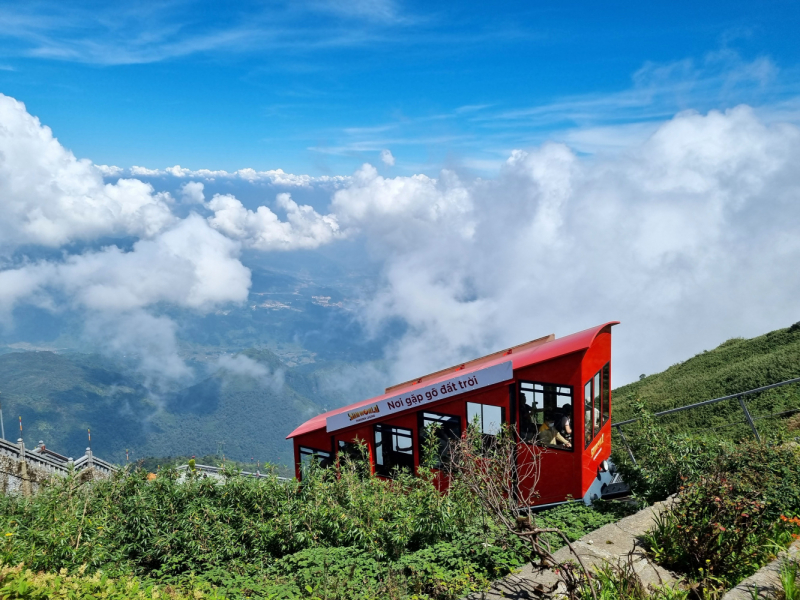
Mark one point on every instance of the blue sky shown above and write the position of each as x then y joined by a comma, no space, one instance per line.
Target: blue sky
673,203
321,87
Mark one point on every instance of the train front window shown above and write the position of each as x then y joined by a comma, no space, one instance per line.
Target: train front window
310,455
597,406
447,429
605,397
394,449
588,412
545,414
597,401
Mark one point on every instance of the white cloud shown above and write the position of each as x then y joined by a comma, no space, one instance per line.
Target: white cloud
49,197
178,171
192,193
276,177
189,265
145,341
688,238
110,170
244,366
399,207
686,233
145,172
387,158
263,230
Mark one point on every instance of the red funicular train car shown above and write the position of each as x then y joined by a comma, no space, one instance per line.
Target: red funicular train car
532,386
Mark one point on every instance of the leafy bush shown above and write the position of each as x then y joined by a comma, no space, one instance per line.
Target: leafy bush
339,534
724,523
771,470
664,461
718,527
18,583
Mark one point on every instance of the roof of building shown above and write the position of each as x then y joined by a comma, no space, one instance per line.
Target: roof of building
524,355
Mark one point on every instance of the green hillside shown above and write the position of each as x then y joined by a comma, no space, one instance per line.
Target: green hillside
736,365
60,395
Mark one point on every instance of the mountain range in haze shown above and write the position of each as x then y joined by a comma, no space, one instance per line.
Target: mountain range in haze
244,409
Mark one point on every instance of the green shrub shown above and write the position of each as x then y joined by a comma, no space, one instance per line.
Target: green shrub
664,460
718,527
724,523
772,470
340,534
18,583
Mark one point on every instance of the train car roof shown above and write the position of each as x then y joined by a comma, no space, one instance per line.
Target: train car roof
524,355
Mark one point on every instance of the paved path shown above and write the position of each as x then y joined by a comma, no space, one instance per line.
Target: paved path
611,543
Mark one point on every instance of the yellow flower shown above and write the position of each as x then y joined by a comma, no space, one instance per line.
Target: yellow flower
8,534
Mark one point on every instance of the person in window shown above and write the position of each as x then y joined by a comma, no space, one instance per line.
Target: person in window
526,424
564,422
549,435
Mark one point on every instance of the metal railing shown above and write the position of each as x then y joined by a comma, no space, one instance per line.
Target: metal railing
739,395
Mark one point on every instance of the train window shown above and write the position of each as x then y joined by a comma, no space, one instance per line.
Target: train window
605,398
489,418
394,449
545,414
309,455
597,406
588,412
596,403
448,428
348,450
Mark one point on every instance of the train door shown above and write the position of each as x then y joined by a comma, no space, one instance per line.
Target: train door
546,420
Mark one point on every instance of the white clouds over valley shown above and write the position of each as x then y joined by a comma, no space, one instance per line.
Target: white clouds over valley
50,198
261,229
688,238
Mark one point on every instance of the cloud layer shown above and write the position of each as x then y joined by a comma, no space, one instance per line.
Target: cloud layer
50,198
687,237
261,229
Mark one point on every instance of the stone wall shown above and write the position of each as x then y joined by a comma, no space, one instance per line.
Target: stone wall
23,471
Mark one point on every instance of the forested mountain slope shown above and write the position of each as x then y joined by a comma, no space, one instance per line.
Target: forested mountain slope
59,396
736,365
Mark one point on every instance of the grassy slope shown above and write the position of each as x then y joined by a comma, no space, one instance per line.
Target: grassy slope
736,365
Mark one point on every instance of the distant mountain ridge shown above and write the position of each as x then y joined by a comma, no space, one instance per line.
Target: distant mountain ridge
247,416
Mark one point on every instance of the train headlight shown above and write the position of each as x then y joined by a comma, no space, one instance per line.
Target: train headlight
604,466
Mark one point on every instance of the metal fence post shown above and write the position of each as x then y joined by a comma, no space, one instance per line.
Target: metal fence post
625,441
749,418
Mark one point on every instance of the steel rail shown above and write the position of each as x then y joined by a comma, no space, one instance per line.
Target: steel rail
714,401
